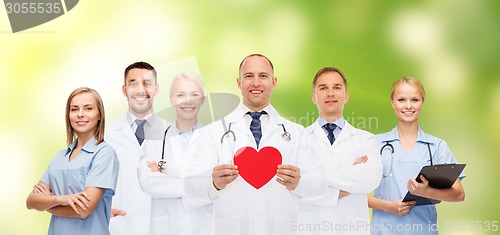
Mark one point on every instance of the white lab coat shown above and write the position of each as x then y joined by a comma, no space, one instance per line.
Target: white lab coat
129,195
327,214
172,212
240,208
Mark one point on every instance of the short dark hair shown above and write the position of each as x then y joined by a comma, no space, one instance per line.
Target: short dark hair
259,55
139,65
329,70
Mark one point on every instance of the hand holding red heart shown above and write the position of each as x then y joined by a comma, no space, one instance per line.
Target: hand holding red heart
257,168
223,175
288,176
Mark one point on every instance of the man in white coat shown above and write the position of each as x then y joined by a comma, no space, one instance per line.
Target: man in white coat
260,167
131,208
350,157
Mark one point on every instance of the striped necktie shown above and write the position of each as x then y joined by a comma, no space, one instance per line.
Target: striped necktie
330,127
255,125
139,132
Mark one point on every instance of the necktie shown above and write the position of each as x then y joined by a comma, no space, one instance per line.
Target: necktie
255,125
139,132
330,127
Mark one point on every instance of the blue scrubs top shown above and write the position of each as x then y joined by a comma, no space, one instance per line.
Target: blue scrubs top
421,219
96,166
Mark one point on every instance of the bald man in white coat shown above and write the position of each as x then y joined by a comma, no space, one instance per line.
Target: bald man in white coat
255,182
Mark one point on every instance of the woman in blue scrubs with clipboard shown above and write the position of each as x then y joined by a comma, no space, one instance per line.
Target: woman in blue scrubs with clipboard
405,150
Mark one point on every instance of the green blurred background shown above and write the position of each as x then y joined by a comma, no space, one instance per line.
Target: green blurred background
451,45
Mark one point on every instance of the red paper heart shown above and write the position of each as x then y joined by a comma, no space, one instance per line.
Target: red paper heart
257,168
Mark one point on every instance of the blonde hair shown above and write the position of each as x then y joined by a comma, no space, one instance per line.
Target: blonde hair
410,81
191,76
99,133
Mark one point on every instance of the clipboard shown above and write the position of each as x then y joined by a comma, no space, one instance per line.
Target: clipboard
440,176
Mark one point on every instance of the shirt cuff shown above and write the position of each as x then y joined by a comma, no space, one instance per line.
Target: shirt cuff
213,193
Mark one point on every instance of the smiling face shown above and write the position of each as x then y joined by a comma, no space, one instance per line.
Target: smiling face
330,95
140,88
84,114
407,102
256,82
187,97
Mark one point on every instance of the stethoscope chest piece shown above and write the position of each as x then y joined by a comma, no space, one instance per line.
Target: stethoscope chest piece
286,136
162,165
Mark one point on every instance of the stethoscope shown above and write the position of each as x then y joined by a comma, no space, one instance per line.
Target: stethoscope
286,135
162,163
391,147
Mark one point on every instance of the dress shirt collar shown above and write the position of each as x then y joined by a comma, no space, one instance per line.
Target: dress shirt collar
178,131
243,109
340,122
131,119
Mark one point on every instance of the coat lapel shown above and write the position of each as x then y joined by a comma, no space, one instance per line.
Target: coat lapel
238,124
124,128
346,133
320,133
273,125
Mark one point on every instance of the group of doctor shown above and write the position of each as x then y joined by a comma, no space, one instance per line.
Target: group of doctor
198,180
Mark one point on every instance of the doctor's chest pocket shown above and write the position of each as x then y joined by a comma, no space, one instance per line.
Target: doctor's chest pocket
348,154
289,151
76,178
68,181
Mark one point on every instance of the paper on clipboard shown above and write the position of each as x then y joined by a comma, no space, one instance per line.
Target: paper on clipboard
440,176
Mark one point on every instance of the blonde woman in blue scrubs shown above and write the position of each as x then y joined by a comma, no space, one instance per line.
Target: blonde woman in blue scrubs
78,185
413,149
